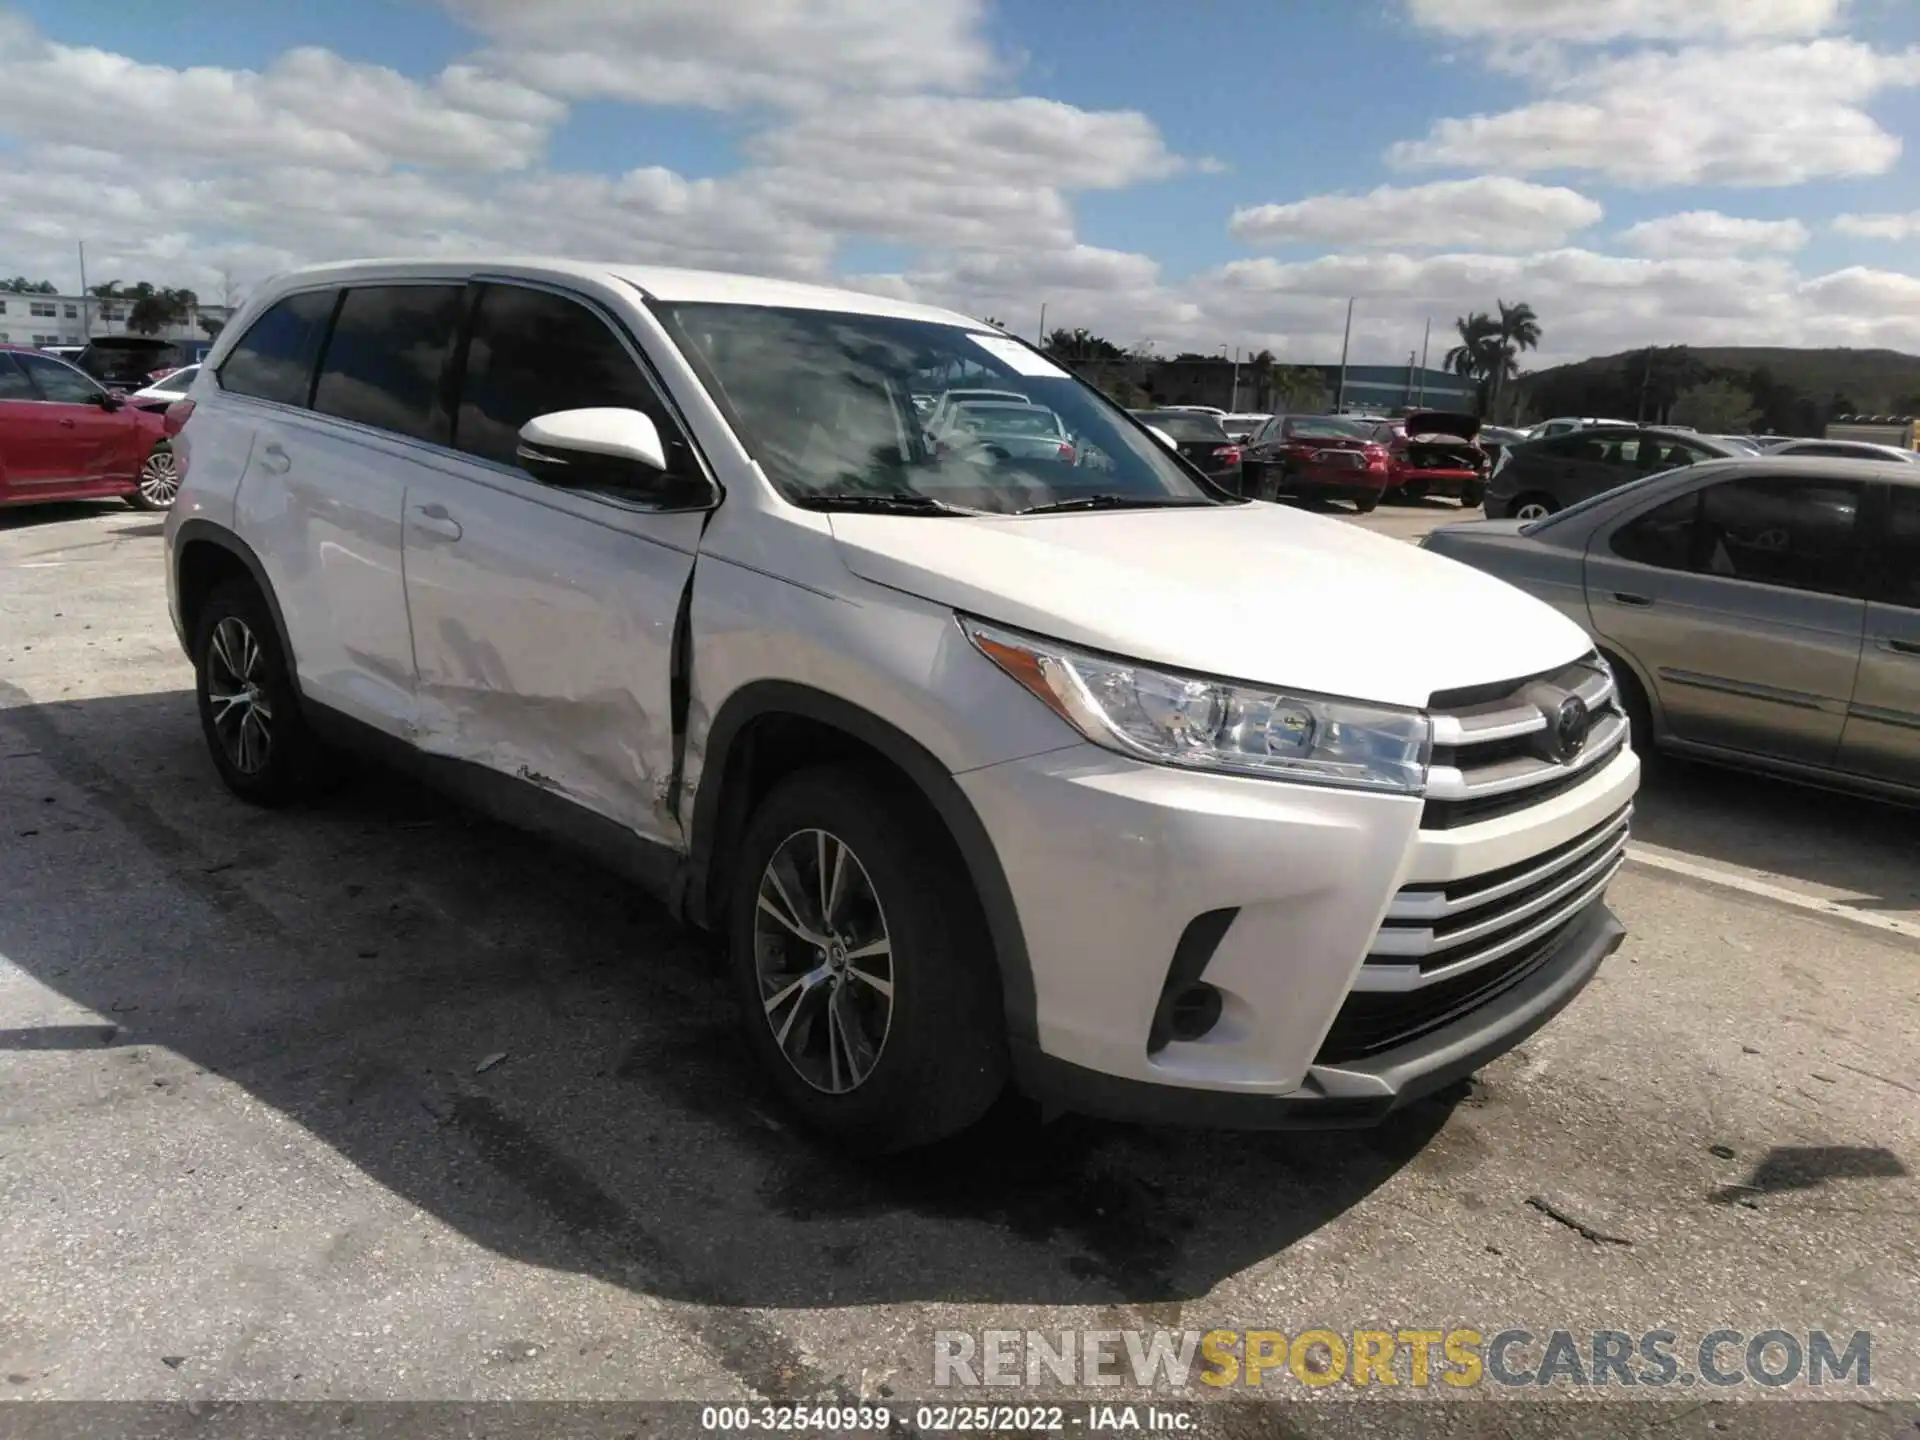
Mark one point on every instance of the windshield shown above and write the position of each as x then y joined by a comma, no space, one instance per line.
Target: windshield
1328,428
1009,420
1184,424
823,401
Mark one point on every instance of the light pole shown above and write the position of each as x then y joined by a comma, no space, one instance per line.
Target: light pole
1340,400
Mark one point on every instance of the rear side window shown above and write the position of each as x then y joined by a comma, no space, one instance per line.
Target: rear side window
13,380
386,362
1792,531
274,359
1901,551
532,353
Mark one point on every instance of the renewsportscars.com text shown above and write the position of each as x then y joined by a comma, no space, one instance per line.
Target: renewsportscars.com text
1456,1357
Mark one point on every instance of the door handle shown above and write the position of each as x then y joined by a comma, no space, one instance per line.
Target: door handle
1901,647
274,459
434,520
1627,597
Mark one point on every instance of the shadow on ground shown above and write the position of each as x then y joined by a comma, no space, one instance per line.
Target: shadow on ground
356,963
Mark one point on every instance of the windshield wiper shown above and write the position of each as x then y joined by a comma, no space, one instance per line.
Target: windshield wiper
1111,502
905,504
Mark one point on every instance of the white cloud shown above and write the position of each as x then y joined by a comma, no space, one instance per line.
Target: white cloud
1595,22
1709,233
717,55
1491,212
1879,227
310,107
1752,115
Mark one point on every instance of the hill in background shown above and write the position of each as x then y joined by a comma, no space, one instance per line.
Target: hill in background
1786,391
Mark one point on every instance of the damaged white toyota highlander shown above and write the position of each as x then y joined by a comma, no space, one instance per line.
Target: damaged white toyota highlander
1022,756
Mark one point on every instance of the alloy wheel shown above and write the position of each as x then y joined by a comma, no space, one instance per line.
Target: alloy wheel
824,961
1532,510
242,714
160,479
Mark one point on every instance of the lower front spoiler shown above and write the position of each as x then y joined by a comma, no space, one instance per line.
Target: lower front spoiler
1353,1094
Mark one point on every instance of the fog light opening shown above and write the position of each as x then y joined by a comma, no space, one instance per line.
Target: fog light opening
1196,1010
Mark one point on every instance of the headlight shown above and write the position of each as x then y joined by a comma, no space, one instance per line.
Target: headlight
1174,719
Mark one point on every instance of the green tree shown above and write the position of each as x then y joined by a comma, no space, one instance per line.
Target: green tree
1477,354
1516,330
1657,377
1299,389
1081,344
20,285
1719,407
153,310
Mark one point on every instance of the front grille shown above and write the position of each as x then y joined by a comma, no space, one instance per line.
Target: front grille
1434,932
1372,1021
1490,755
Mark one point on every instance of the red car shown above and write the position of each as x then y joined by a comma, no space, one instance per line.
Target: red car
1325,456
64,436
1435,452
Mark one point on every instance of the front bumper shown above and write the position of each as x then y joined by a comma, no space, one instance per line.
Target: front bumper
1355,1094
1114,866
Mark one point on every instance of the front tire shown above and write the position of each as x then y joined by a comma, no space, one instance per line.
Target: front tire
1471,494
862,965
159,480
1366,504
1533,507
249,711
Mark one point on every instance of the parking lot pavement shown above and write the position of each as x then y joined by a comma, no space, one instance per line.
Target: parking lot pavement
254,1146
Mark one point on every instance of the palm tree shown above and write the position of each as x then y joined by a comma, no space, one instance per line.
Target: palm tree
1517,329
1473,358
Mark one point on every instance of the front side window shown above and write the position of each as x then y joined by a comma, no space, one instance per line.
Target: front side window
1662,537
533,353
823,400
274,359
58,381
1792,531
385,364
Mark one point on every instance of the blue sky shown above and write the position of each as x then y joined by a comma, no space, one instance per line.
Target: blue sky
1109,160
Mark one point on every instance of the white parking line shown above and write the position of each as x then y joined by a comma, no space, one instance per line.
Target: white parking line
1751,885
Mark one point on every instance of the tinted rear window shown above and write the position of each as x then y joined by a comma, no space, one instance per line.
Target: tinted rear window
274,359
121,363
1185,425
386,362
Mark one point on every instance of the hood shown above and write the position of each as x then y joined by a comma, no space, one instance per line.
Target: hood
1259,593
1442,422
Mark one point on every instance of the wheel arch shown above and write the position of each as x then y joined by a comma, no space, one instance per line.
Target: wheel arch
204,556
1625,667
771,728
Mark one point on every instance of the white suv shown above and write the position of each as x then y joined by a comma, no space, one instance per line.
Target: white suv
1070,773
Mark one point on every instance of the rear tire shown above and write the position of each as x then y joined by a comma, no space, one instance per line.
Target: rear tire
892,1034
1633,700
1366,504
1535,506
1470,496
249,709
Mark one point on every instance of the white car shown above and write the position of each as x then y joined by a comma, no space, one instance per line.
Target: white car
956,752
1842,450
167,389
1563,424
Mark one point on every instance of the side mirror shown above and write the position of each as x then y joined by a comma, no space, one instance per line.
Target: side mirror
587,440
107,400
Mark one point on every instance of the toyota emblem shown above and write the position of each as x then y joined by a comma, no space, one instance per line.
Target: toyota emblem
1571,722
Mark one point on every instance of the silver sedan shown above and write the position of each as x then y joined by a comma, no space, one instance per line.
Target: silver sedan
1763,613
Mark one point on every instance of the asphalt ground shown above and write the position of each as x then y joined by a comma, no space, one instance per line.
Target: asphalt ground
252,1147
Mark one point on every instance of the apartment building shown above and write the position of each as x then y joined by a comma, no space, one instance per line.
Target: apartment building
74,319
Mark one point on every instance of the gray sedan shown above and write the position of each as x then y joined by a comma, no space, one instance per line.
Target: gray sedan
1758,612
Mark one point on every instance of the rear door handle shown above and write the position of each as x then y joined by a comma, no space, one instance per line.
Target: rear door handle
1901,647
275,460
434,520
1626,597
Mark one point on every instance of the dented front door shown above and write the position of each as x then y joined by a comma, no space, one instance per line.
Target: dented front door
543,625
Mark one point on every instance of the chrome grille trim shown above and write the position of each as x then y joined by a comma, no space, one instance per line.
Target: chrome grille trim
1423,941
1449,782
1412,977
1418,904
1455,731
